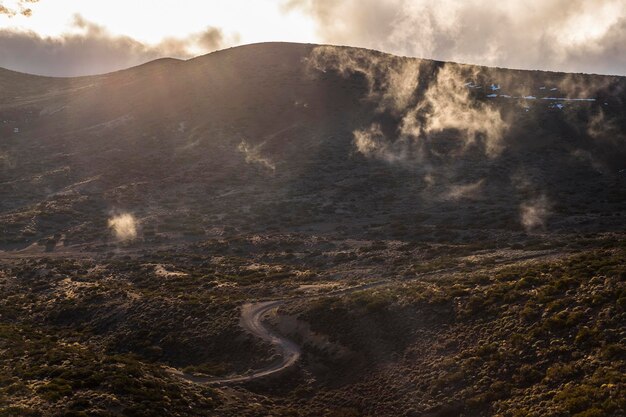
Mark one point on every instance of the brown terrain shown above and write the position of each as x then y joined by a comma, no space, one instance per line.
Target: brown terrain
300,230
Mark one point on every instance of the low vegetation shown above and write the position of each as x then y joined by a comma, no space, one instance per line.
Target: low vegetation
444,330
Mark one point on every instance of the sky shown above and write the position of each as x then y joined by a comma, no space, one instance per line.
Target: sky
81,37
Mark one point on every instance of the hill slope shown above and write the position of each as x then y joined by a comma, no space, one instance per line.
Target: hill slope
300,136
323,230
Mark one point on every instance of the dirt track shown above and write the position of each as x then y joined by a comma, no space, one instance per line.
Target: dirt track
252,321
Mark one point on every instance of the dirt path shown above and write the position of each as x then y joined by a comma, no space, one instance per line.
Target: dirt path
252,321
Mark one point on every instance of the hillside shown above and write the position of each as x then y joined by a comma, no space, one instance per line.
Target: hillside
265,135
302,230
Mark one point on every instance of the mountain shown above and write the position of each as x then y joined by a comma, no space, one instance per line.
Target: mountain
264,136
309,230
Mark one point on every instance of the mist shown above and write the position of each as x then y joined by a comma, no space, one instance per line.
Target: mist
90,49
445,105
314,230
123,226
563,35
534,213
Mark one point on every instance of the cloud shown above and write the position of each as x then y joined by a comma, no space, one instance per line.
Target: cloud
447,105
5,160
602,127
91,49
444,106
564,35
588,157
123,226
211,39
372,143
391,80
457,192
534,213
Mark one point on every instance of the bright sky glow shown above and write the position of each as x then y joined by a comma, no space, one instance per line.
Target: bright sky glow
150,21
594,22
558,35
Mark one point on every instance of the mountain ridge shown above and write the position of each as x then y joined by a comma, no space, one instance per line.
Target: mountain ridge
255,44
282,119
301,230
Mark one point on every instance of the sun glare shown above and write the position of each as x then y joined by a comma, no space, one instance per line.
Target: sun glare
593,23
246,21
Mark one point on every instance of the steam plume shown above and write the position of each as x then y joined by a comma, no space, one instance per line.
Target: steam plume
391,80
463,191
124,226
534,213
448,105
372,143
392,84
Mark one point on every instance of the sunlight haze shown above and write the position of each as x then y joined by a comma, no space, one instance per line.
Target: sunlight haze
574,36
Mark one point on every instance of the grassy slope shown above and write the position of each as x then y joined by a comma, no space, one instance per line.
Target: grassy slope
511,338
542,338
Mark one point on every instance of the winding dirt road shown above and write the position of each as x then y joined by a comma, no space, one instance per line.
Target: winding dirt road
251,320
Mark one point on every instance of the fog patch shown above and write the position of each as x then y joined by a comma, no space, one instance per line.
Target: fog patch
606,131
601,127
586,156
253,155
463,191
400,85
5,160
372,143
391,80
392,84
123,226
578,87
447,104
534,213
